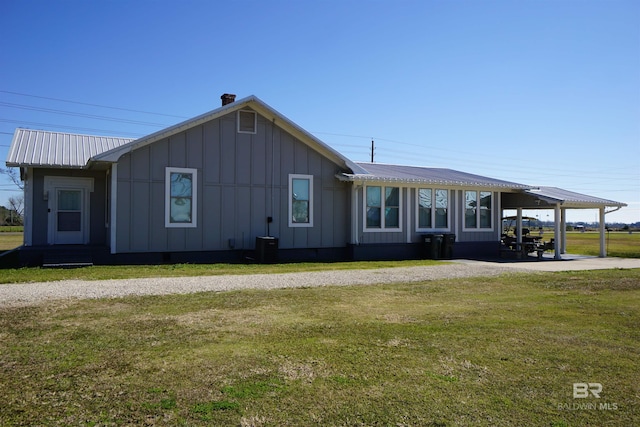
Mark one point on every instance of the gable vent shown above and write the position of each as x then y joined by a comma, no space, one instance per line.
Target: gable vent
247,121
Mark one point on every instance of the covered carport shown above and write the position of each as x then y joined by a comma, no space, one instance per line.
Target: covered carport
560,201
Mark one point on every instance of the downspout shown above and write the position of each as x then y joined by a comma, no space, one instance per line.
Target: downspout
354,213
273,175
408,207
113,221
28,206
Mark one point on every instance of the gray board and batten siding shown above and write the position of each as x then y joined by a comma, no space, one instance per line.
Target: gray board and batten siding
242,180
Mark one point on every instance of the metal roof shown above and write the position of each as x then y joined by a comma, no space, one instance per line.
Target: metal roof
57,149
568,198
377,172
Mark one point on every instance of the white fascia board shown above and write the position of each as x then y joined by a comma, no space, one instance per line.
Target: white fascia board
415,182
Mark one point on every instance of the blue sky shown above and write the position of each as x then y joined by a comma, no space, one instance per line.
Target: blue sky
536,92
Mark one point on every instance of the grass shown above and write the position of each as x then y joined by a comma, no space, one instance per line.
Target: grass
480,351
10,240
618,243
11,228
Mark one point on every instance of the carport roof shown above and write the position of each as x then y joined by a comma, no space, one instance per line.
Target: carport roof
542,197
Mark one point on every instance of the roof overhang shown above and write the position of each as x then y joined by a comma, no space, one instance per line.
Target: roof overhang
420,175
372,179
550,197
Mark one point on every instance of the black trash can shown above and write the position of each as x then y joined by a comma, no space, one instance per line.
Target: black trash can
266,250
432,246
448,240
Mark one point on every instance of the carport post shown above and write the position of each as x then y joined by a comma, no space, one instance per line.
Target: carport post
562,241
519,229
603,250
557,231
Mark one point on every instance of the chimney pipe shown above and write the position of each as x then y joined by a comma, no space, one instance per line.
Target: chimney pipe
228,98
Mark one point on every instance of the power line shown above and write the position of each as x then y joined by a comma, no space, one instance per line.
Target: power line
50,125
91,105
504,167
84,115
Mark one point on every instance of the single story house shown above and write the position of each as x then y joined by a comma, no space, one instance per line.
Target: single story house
220,185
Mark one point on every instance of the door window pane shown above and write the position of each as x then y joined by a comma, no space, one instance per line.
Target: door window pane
69,221
69,215
69,200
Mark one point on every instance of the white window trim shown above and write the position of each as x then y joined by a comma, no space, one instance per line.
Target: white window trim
255,122
194,198
383,228
290,195
433,210
464,211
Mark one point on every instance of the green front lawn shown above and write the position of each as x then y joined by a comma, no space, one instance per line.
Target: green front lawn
475,352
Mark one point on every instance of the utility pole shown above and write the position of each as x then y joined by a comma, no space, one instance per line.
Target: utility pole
372,150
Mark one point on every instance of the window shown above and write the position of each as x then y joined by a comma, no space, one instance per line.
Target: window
433,208
300,200
181,197
470,209
485,209
392,207
382,208
478,209
247,121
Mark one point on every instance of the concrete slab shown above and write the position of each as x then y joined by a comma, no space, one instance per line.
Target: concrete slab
567,263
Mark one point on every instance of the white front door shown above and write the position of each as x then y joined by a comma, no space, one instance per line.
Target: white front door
68,210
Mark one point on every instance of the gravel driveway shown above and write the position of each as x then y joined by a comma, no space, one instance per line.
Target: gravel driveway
25,294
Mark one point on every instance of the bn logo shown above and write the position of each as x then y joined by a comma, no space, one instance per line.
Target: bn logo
582,390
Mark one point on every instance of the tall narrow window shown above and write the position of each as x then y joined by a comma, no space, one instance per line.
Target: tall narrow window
382,208
470,207
300,200
181,197
485,209
433,208
374,207
425,206
392,207
442,208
